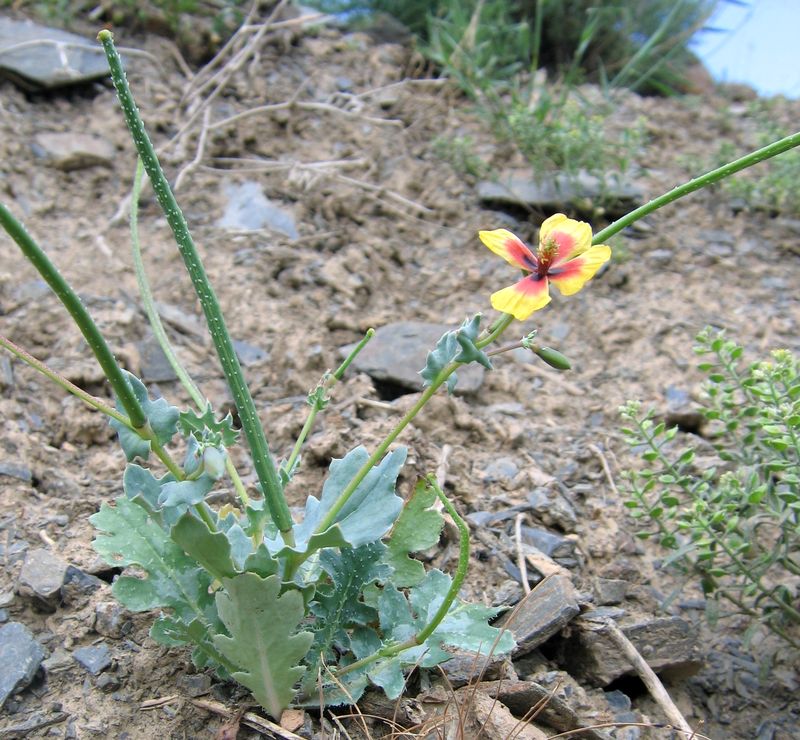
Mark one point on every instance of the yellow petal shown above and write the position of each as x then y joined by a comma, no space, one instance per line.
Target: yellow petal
571,276
573,237
510,247
523,298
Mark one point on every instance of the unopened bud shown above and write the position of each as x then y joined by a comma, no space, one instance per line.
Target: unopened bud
214,462
552,357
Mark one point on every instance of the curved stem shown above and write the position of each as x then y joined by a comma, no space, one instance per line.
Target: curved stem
254,433
80,315
771,150
455,586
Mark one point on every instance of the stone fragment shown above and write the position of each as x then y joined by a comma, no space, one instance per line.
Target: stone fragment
94,658
154,366
195,684
501,469
74,151
186,323
681,412
111,619
248,209
107,682
399,351
58,662
465,667
610,591
551,192
520,696
551,544
249,354
484,716
41,578
541,614
35,56
552,509
20,658
78,585
668,644
15,470
6,373
36,721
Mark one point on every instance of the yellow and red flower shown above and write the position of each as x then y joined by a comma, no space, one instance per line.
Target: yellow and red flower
565,258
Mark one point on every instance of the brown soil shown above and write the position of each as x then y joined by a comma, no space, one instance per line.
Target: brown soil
365,258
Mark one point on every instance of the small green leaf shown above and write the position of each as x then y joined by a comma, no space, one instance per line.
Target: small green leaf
368,514
206,428
162,417
174,580
417,528
185,493
263,643
210,549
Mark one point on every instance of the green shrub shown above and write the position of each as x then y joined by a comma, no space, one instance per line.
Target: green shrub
737,528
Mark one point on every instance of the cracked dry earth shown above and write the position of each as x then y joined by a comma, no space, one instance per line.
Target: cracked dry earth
385,231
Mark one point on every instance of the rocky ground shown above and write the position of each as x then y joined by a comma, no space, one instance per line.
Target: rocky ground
318,219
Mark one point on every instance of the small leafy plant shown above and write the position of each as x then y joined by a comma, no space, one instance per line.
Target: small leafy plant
736,525
316,609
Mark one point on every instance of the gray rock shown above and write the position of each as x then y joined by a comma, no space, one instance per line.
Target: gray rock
15,470
94,658
668,644
33,722
186,323
6,373
78,585
111,619
107,682
542,613
155,367
3,616
610,591
399,351
195,684
59,662
248,209
41,578
661,257
520,696
249,354
74,150
20,658
501,469
555,191
39,57
552,509
550,543
465,667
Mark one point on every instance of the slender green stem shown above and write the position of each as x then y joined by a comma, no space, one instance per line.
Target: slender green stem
148,302
697,183
495,331
461,570
262,458
318,399
60,380
149,305
79,314
444,607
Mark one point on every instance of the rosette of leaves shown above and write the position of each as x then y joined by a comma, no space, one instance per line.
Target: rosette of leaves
335,605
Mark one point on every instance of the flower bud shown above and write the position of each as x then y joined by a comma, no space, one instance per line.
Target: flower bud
214,462
552,357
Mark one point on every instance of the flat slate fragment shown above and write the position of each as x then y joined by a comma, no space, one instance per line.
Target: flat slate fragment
20,658
555,191
542,613
399,351
36,56
668,644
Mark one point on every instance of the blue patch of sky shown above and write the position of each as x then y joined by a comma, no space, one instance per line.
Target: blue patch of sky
757,42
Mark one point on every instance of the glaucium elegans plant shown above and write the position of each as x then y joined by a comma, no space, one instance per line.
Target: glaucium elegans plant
313,610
